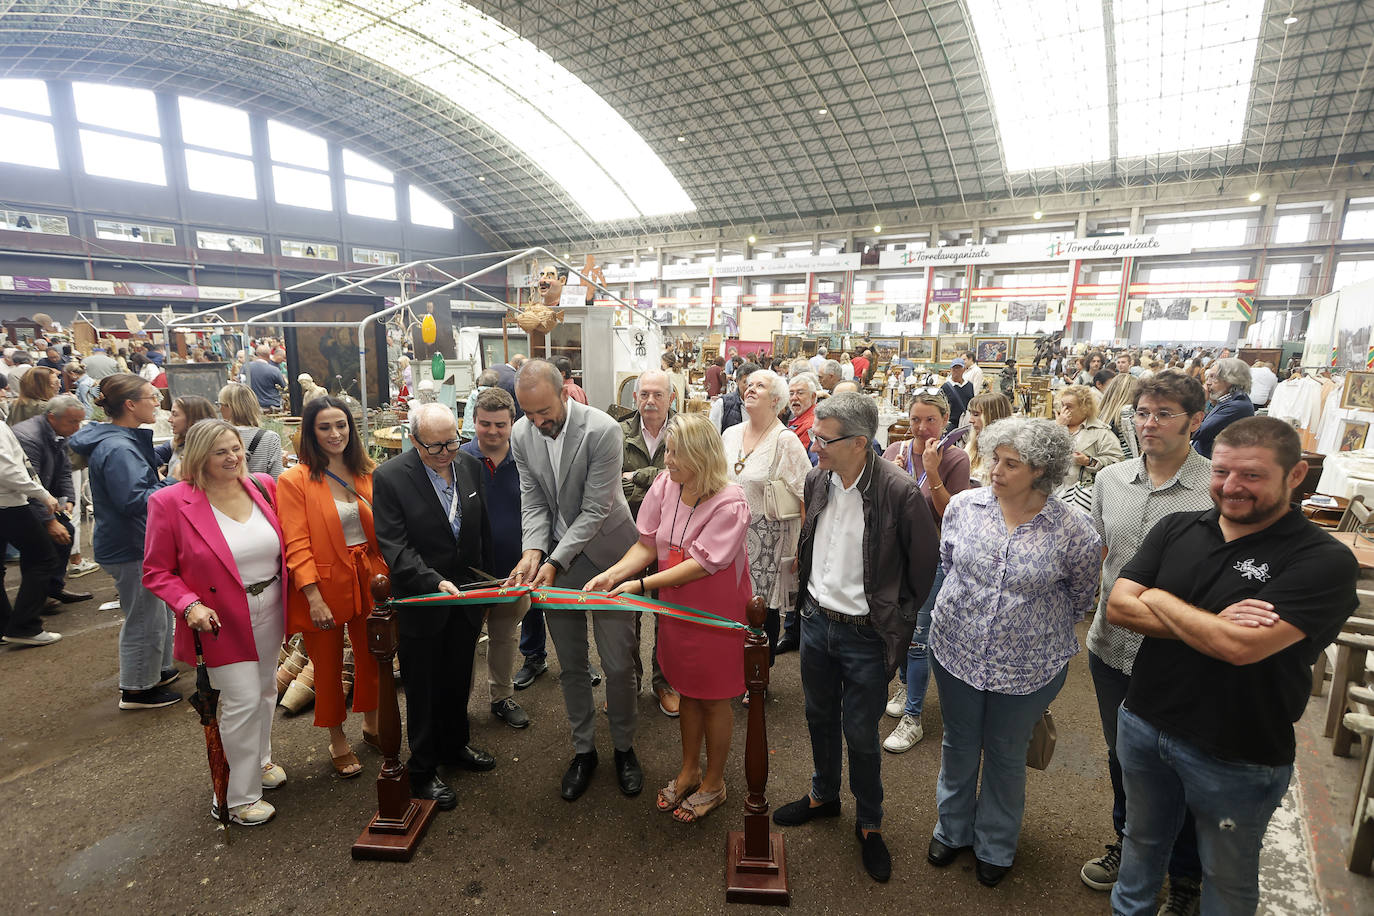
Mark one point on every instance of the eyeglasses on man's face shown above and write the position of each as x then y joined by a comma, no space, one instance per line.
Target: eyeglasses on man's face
1159,416
438,448
823,443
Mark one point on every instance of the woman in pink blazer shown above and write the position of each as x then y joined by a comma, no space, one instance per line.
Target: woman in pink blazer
214,552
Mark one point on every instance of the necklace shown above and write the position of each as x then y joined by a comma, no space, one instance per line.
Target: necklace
743,455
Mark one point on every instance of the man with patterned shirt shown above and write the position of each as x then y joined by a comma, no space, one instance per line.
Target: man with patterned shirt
1128,499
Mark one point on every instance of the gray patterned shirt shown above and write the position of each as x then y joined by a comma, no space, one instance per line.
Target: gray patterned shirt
1126,505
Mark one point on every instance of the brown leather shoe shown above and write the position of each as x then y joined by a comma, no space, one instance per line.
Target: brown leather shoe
669,703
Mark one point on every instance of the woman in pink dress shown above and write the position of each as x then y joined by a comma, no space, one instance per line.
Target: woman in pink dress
694,523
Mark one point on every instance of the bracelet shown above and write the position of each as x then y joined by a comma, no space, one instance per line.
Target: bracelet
186,610
643,589
937,486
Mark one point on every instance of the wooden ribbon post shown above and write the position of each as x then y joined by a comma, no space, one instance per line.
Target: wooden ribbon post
755,859
395,830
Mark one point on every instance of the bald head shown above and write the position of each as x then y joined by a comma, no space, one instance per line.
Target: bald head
535,372
262,352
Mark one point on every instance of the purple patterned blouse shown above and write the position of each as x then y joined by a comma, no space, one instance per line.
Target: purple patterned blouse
1004,618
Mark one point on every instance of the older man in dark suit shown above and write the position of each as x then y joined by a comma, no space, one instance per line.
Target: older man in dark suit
429,509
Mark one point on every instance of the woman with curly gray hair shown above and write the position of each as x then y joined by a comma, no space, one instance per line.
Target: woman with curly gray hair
1021,569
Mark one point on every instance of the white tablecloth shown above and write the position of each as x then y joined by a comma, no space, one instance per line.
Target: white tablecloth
1348,474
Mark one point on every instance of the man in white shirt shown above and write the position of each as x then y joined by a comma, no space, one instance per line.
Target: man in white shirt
817,361
973,373
866,561
1262,383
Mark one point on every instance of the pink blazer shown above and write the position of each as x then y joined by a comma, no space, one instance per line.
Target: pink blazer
186,558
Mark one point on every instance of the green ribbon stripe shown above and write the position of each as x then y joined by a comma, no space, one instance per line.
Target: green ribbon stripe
569,599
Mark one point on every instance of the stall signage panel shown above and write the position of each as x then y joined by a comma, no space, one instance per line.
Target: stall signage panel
869,312
1139,246
761,267
1095,310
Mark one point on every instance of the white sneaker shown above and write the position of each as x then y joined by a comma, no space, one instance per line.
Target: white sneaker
905,736
82,568
273,776
897,705
250,815
41,638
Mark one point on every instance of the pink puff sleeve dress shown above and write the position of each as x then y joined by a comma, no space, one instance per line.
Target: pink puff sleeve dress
705,663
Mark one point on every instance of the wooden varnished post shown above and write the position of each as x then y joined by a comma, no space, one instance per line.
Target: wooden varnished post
755,859
395,830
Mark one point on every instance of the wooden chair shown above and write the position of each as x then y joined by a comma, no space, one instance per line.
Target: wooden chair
899,431
1352,654
1325,663
1356,515
1359,856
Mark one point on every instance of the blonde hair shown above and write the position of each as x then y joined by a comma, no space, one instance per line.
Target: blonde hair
1084,396
1120,392
195,451
993,406
698,448
242,404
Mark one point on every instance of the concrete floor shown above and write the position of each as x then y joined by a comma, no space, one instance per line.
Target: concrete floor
107,811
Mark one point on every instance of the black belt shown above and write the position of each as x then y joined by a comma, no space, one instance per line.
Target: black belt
864,620
257,588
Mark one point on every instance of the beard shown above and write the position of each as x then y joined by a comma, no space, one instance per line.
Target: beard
552,433
1259,508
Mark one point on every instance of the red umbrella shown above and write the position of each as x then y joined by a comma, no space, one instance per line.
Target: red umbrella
206,702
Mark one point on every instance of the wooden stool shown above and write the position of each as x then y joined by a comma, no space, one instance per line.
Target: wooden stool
1352,653
1359,856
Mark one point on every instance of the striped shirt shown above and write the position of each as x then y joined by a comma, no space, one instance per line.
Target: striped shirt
1126,506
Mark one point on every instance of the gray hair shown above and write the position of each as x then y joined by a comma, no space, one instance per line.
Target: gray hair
777,388
821,351
62,403
798,366
533,371
488,379
1234,372
262,350
808,379
831,367
649,373
1043,444
858,415
431,411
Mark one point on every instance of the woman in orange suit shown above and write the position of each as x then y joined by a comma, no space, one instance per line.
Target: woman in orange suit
325,504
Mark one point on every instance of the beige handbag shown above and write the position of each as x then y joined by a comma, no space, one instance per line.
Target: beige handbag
1041,749
779,503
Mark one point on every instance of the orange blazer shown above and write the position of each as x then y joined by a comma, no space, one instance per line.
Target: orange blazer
316,553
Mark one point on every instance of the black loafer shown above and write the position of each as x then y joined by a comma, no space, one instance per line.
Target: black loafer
475,759
990,875
67,597
877,860
787,644
628,772
941,855
579,776
528,672
800,812
437,791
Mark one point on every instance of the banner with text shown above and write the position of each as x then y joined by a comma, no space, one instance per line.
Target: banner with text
1135,246
760,267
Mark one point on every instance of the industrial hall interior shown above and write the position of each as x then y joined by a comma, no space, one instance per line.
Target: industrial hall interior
920,446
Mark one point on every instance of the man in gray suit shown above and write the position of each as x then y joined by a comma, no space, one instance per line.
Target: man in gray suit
575,524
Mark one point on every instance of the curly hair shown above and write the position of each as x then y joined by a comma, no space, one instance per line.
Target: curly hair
1043,444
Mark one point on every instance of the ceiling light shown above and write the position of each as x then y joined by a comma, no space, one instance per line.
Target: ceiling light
1254,196
877,228
651,249
681,139
481,178
753,239
1290,20
1037,214
822,110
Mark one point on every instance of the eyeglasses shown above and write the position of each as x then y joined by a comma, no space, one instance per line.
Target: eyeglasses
823,443
437,448
1159,416
148,397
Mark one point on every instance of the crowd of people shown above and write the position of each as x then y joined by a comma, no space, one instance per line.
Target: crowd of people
968,549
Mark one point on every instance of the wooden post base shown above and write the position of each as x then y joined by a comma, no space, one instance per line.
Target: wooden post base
395,840
756,880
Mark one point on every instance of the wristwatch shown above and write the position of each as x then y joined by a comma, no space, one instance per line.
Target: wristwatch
558,567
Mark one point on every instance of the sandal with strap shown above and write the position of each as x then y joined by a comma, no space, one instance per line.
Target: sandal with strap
669,797
347,765
698,805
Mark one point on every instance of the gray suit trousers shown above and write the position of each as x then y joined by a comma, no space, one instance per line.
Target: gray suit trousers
617,646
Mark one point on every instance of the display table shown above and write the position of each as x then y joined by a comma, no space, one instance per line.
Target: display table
1348,474
1360,546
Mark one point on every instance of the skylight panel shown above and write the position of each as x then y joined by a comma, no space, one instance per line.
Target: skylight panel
1048,77
426,211
118,107
113,156
216,174
297,147
300,188
213,126
25,95
357,166
366,198
505,81
1183,73
39,148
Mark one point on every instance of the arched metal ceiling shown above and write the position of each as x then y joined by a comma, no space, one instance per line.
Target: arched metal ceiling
908,119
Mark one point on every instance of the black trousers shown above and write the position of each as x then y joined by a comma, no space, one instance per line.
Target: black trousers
436,670
38,562
58,582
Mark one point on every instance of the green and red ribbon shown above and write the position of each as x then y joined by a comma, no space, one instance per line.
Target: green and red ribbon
552,598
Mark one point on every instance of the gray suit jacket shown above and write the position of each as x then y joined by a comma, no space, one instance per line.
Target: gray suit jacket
591,500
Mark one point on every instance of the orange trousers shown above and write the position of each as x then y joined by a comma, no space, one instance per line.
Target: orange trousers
325,648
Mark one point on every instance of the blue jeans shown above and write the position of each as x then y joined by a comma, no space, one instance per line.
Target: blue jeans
1111,685
844,676
533,639
145,639
994,729
916,672
1166,777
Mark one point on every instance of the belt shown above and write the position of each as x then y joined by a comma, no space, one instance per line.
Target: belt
864,620
257,588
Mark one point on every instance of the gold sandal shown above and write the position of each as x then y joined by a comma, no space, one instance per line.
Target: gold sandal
698,805
669,797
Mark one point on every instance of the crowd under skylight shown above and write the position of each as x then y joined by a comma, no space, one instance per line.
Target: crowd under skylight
505,81
1182,77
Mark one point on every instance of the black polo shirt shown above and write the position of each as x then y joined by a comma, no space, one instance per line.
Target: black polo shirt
1241,713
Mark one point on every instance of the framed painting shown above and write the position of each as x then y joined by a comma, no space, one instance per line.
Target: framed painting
991,351
1025,348
1353,435
953,346
921,349
330,354
1358,393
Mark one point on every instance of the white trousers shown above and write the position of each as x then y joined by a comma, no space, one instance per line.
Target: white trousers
248,696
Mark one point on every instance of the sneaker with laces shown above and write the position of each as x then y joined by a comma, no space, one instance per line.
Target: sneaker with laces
1100,873
1184,898
250,815
76,570
152,698
273,776
905,736
896,706
41,638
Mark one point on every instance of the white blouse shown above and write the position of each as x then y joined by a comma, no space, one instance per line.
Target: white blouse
253,544
792,463
351,521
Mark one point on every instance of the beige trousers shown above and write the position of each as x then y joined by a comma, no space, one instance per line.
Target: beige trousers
503,647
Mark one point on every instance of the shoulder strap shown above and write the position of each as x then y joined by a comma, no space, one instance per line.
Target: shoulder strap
349,487
257,437
261,489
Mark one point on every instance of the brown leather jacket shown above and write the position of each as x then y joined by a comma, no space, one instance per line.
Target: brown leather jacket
901,549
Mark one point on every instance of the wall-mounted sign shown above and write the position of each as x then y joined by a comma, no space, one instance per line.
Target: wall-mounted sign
763,267
1120,246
